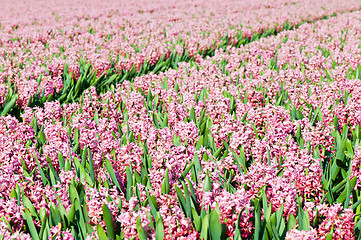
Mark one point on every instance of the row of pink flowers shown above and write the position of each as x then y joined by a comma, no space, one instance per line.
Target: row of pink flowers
37,41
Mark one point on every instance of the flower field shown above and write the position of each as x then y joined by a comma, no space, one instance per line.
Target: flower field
187,120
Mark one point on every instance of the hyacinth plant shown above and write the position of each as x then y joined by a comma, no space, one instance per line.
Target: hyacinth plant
250,141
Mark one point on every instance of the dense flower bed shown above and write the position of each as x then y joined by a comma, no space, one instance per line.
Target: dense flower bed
49,47
255,141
